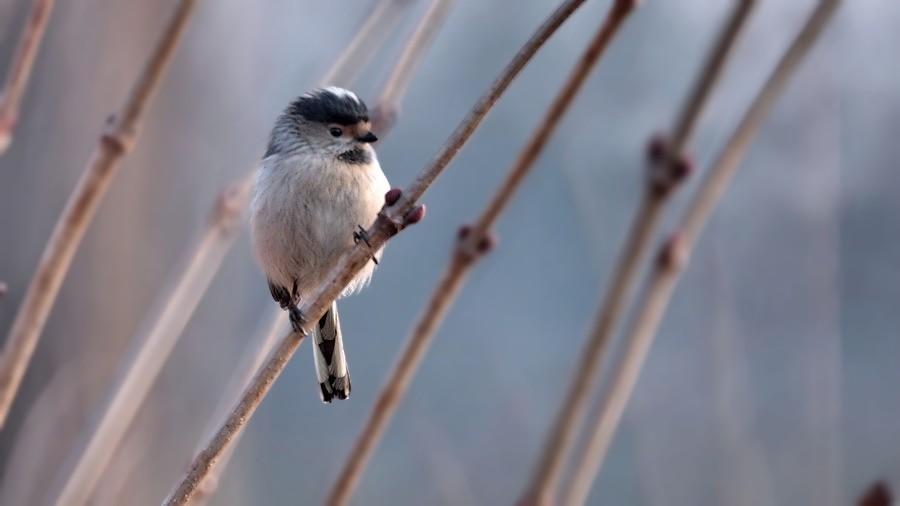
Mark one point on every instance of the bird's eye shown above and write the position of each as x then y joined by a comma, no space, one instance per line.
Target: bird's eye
336,132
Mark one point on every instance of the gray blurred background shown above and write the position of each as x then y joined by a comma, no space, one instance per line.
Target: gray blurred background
771,380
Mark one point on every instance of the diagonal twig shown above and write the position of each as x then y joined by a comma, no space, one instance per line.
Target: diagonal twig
20,70
472,244
370,36
394,217
395,89
675,252
667,167
117,140
164,324
272,325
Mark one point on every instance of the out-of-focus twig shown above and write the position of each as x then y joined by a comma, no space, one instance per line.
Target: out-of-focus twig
3,289
667,167
20,70
118,138
392,95
272,325
164,324
400,210
879,494
370,36
674,253
471,245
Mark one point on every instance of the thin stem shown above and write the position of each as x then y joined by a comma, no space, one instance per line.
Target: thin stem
674,254
471,246
272,325
398,82
390,221
154,341
117,140
20,70
667,168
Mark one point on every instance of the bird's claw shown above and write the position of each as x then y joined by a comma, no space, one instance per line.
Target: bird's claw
362,235
298,319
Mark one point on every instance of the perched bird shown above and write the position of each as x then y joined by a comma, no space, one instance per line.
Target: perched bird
318,188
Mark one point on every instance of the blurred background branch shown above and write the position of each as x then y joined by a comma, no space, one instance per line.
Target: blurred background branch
20,70
667,168
117,139
674,254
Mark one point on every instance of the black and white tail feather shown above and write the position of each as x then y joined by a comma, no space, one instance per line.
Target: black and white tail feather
328,351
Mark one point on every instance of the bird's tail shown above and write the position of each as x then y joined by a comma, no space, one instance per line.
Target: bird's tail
331,364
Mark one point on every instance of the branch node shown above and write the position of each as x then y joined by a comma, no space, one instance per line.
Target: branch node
665,170
116,138
473,248
879,494
230,206
384,117
413,216
674,253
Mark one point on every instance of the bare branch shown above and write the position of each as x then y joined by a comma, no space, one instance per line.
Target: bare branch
20,70
391,96
674,253
472,244
667,167
164,324
273,324
116,141
395,216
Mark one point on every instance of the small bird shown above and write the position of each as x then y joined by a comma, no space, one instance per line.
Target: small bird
319,187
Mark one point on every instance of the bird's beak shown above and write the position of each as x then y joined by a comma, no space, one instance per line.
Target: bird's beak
368,138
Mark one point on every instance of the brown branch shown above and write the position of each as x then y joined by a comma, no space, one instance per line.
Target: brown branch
395,216
393,92
472,243
116,141
154,341
273,324
667,167
20,70
674,254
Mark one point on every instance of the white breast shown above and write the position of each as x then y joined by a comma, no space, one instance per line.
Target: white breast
304,213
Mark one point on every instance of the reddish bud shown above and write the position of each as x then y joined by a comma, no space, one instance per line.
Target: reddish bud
392,196
415,216
487,243
657,148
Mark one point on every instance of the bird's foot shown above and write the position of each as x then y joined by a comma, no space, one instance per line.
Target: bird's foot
361,235
298,319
